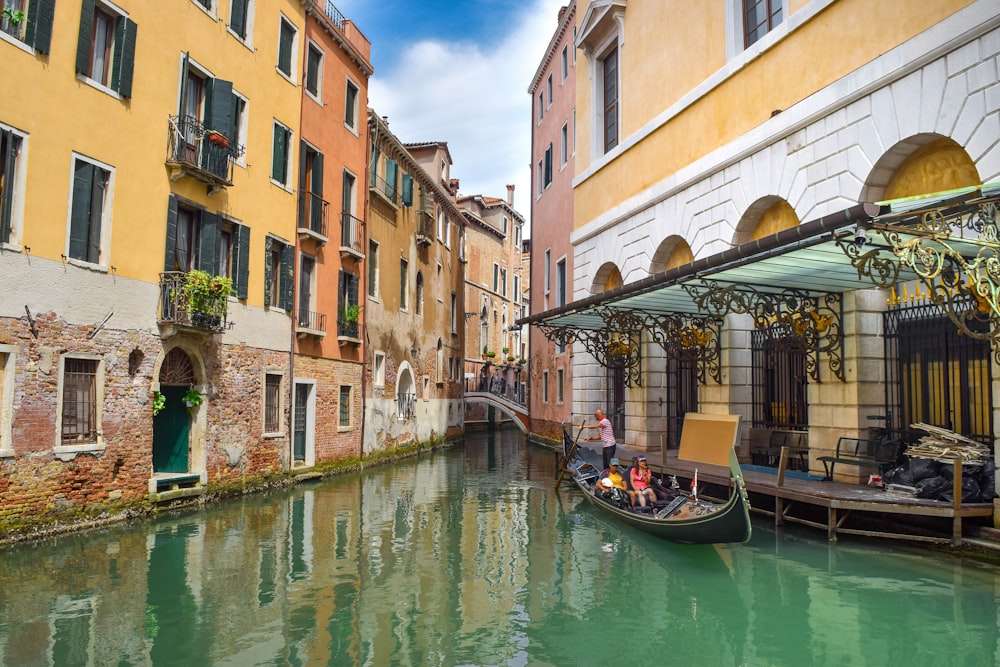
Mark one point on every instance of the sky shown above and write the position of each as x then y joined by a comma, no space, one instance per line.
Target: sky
459,71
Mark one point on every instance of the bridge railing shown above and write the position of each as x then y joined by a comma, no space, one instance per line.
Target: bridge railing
507,382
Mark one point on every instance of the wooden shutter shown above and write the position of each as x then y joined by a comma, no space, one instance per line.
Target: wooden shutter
391,179
279,154
39,31
285,40
124,57
303,176
374,165
287,276
241,254
208,243
317,175
98,187
316,205
268,242
407,190
86,31
219,106
238,18
170,255
9,145
83,179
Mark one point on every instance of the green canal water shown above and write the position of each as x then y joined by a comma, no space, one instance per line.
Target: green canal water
468,557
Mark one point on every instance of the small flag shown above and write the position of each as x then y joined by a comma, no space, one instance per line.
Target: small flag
694,484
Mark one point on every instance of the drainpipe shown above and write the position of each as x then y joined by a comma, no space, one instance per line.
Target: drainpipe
363,285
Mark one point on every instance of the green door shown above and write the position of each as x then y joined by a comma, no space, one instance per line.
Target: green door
300,416
171,428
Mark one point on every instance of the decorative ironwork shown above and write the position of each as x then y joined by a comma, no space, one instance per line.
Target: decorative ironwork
177,369
553,333
789,313
618,343
697,339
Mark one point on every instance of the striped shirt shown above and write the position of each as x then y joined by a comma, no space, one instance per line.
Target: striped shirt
607,435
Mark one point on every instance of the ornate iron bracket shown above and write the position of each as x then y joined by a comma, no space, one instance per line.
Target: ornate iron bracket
789,313
686,337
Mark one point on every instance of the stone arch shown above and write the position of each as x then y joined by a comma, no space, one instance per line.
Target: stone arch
406,385
766,216
672,252
607,278
192,357
920,165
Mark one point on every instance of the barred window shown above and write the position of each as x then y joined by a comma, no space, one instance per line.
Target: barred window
79,401
345,405
272,403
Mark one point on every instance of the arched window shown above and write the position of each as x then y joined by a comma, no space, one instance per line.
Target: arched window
419,307
405,393
439,370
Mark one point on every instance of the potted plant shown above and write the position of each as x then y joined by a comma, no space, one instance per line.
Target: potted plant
491,354
217,138
485,353
192,399
510,358
505,350
351,313
159,401
206,296
522,361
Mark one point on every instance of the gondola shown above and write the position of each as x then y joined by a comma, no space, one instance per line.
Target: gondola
676,516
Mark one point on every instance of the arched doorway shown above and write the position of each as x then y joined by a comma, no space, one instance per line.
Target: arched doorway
172,424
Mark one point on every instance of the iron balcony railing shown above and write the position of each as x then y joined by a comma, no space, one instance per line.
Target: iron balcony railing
313,213
425,229
345,327
352,235
406,406
208,155
390,191
334,15
178,306
311,321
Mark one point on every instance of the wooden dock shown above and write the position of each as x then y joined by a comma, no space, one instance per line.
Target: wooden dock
795,500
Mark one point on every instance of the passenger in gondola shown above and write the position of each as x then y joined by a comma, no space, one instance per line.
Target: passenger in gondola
611,480
641,479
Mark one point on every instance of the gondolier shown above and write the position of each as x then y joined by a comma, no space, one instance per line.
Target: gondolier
607,436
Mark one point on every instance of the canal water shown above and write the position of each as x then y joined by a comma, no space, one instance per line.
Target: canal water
467,556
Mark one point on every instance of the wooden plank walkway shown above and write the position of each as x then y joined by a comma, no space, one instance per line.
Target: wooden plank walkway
793,496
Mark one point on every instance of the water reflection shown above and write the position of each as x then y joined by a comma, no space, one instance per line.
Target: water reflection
468,557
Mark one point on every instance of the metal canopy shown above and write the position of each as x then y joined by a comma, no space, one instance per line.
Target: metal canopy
791,283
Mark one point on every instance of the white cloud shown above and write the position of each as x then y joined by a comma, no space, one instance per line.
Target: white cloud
474,96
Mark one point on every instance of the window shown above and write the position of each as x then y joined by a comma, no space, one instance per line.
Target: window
344,406
372,268
561,282
378,368
447,233
280,158
351,106
545,386
287,37
506,224
404,287
278,272
198,239
419,305
461,245
80,402
312,206
11,185
548,89
564,145
759,18
272,403
541,107
548,269
206,4
454,313
565,62
440,223
560,388
609,99
35,27
207,103
516,294
7,355
548,165
496,277
241,19
308,318
439,364
105,52
90,212
780,381
348,307
503,282
239,126
314,72
517,237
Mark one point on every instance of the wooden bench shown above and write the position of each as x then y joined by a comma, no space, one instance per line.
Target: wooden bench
878,454
768,454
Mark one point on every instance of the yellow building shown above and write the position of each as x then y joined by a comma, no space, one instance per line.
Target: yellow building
148,142
704,126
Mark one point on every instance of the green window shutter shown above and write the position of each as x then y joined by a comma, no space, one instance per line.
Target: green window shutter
287,276
279,155
407,190
391,179
83,45
39,31
316,210
242,255
267,270
303,195
124,60
9,145
79,225
98,186
170,256
238,18
208,243
374,165
317,175
219,107
285,40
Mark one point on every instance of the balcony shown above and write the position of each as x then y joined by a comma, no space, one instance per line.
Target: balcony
425,228
184,307
406,408
201,154
309,323
313,217
388,192
348,330
352,241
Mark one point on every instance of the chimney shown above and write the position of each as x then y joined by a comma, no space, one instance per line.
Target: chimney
453,186
510,195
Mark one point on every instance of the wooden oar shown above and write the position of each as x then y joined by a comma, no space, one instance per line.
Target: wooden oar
570,454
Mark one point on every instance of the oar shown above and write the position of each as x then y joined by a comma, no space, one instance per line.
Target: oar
570,454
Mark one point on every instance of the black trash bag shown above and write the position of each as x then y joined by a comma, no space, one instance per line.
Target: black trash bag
933,487
987,481
923,469
970,491
899,475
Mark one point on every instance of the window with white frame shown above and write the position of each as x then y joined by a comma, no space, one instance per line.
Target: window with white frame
447,233
496,277
105,54
548,269
404,284
12,179
314,72
565,62
545,386
378,368
548,89
8,353
241,19
548,165
759,17
561,282
454,313
288,37
440,223
541,107
563,145
418,304
600,38
90,211
372,268
539,178
28,22
503,282
609,98
439,362
516,295
344,407
351,105
281,155
81,401
272,403
506,224
560,382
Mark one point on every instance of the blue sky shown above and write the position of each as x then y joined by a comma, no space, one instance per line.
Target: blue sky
458,71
